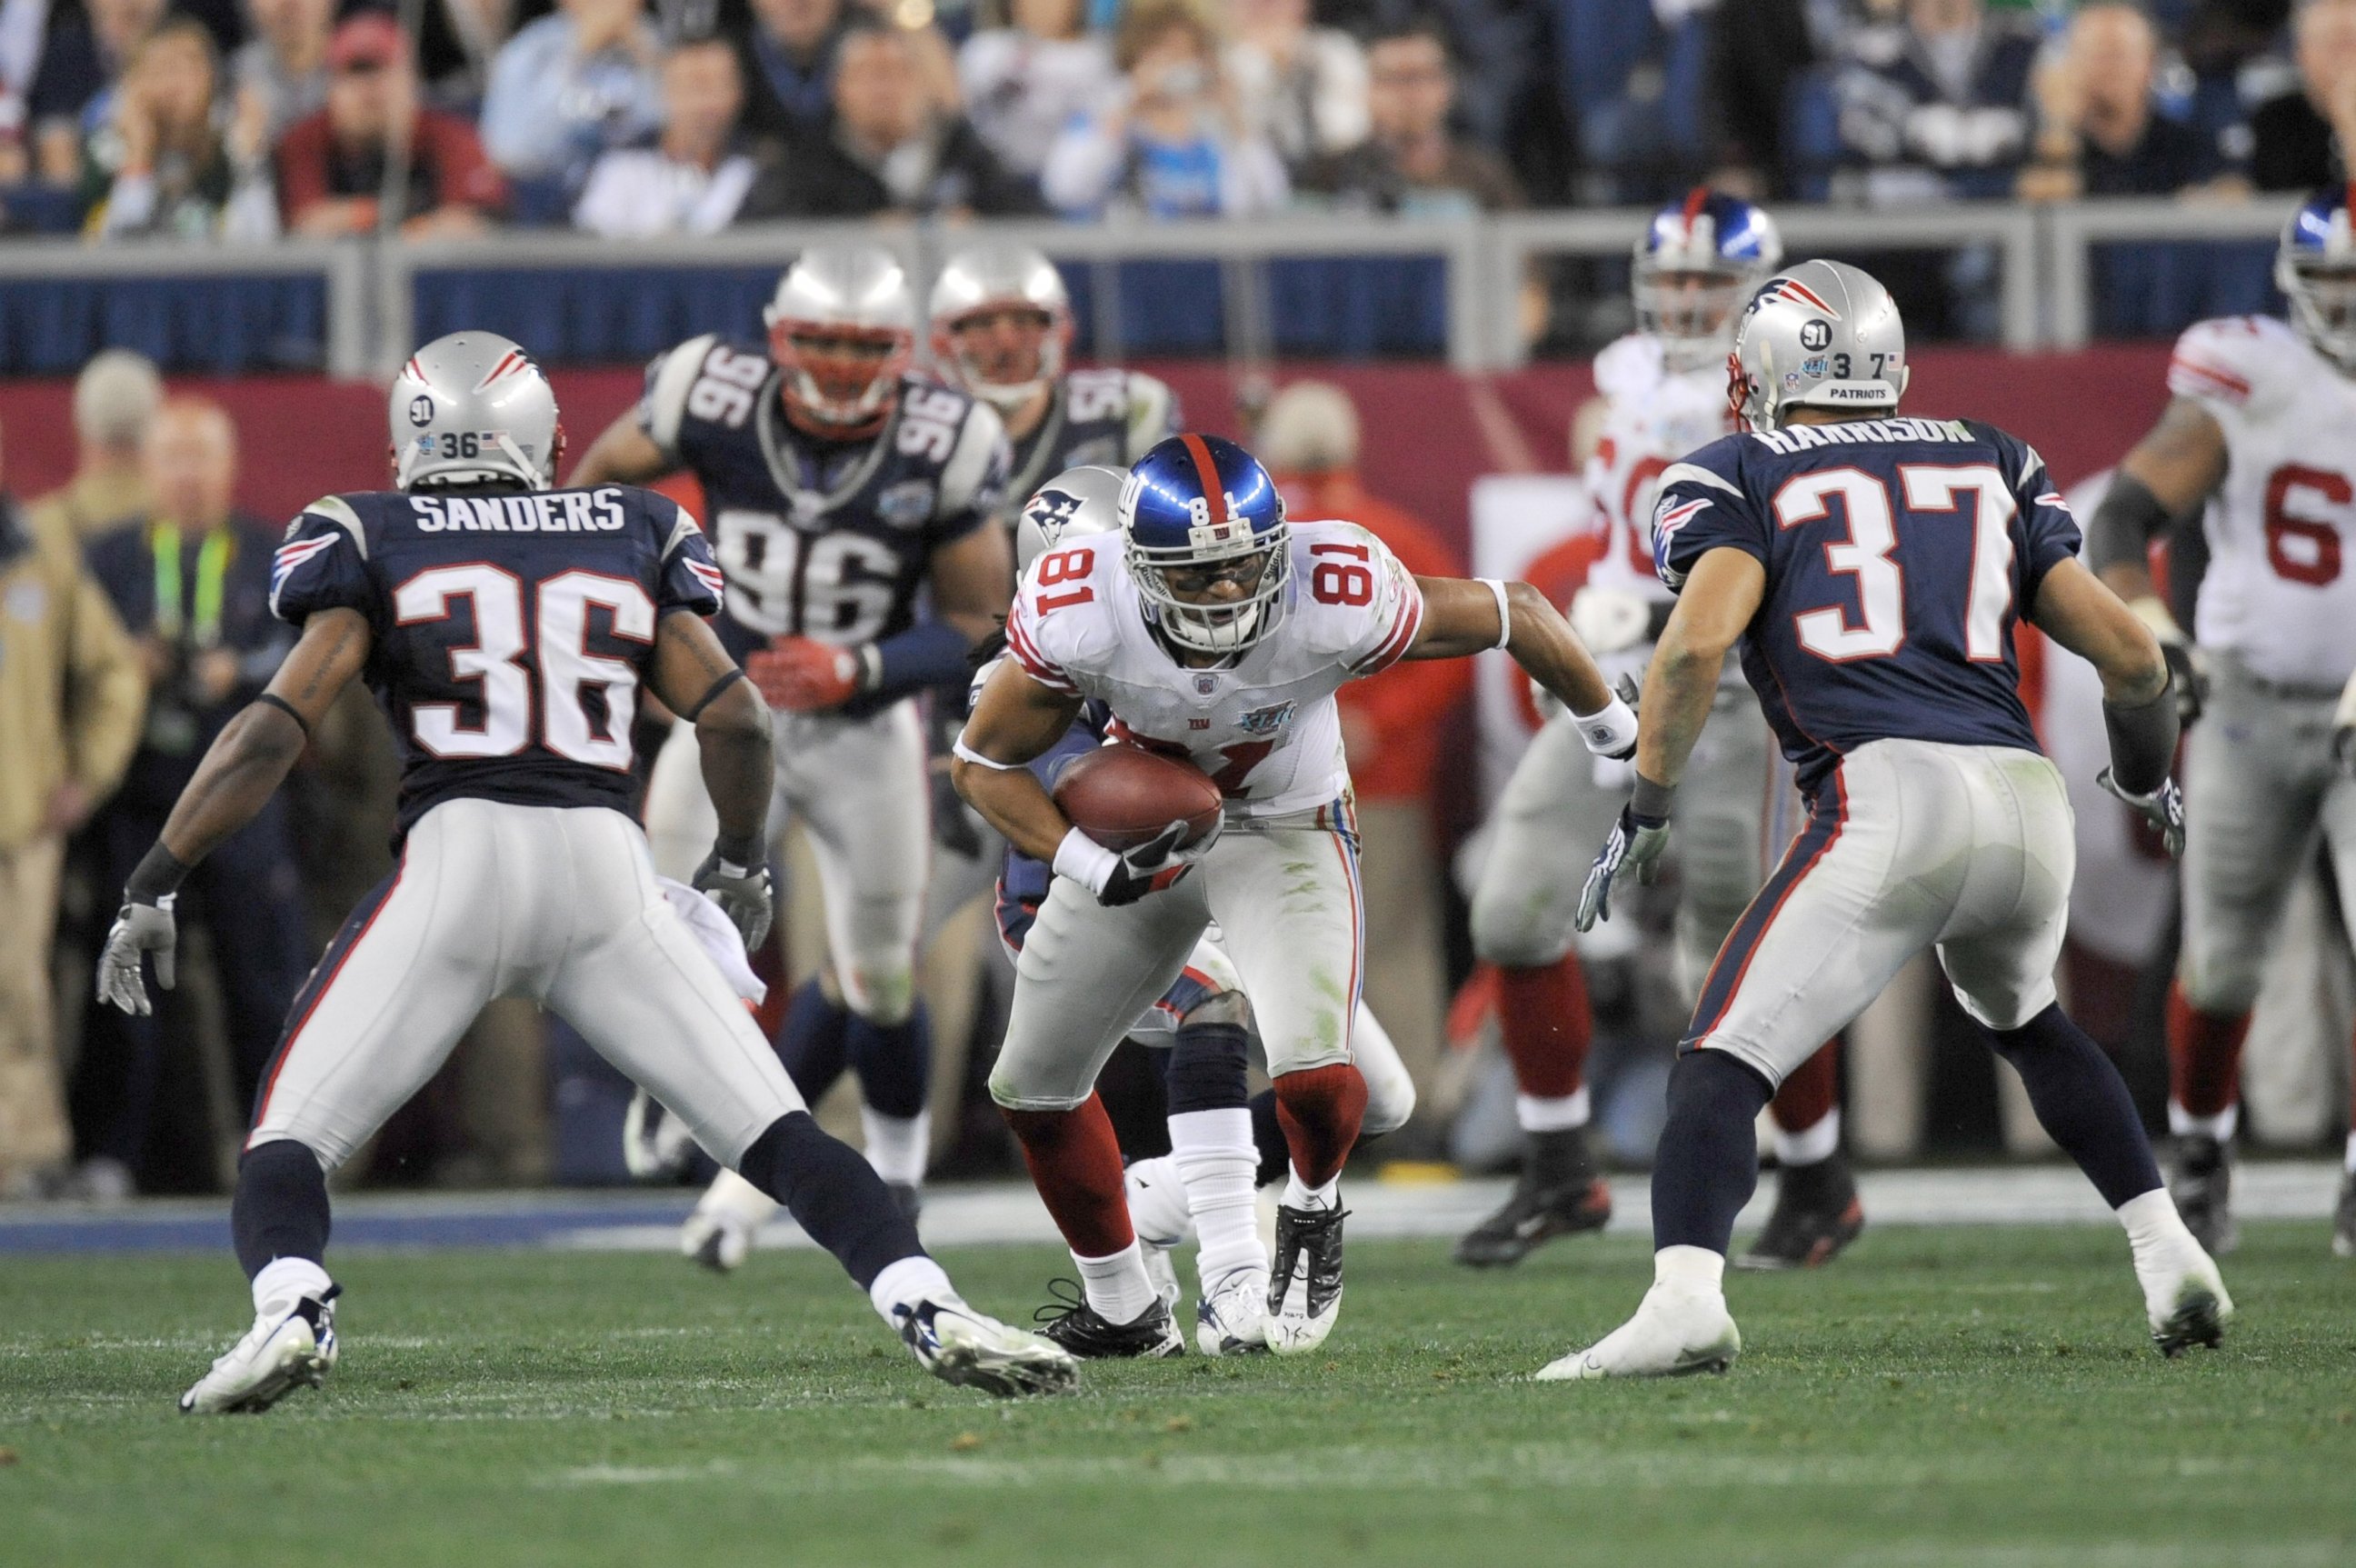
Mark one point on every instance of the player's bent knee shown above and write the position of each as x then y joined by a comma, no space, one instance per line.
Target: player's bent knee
1009,1092
1507,934
2214,985
1390,1099
1230,1007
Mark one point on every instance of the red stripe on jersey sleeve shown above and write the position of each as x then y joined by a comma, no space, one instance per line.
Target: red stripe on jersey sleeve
2194,379
1039,668
1404,626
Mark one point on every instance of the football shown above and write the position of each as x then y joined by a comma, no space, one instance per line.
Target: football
1122,796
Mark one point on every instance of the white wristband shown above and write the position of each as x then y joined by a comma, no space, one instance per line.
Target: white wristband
965,753
1610,729
1505,611
1085,861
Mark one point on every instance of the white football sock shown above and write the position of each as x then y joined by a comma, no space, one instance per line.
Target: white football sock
1689,1271
1809,1145
1552,1114
283,1281
2183,1124
1212,1151
731,1196
1299,1194
1117,1285
2157,1233
1157,1201
896,1145
909,1281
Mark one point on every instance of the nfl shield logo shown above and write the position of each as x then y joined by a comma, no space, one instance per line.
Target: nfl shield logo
1205,685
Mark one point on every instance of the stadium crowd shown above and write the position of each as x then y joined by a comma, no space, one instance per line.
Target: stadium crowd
245,119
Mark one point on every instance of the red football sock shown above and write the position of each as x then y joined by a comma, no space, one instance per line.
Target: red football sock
2204,1055
1320,1110
1546,1023
1074,1162
1810,1091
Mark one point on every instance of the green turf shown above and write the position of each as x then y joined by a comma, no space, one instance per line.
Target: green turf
1940,1397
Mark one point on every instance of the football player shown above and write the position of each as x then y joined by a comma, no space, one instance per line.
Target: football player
1218,630
841,488
507,630
1664,388
1872,568
1224,1143
2258,430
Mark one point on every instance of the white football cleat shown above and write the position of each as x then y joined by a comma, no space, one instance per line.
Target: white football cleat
721,1242
958,1345
2186,1304
1673,1334
281,1352
1160,1273
1232,1317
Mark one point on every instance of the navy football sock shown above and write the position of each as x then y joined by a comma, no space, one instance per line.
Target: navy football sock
1708,1161
280,1206
1268,1138
1208,1067
2082,1103
810,1041
894,1061
833,1194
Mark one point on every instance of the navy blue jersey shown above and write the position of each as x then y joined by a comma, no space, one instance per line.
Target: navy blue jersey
1899,554
1107,418
821,539
511,630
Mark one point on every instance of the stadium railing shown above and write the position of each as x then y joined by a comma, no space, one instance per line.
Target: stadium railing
1302,285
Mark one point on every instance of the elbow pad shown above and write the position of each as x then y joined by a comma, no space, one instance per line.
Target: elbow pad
2123,526
2143,740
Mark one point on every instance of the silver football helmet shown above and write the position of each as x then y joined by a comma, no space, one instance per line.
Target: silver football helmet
997,275
1819,335
842,325
1074,504
473,408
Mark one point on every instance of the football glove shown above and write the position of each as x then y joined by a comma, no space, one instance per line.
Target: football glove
743,894
1118,878
2163,809
804,675
139,928
1633,845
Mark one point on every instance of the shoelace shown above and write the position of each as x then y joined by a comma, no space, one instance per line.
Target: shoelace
1069,1298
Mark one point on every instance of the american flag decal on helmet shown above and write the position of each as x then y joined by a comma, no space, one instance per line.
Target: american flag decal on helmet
1797,292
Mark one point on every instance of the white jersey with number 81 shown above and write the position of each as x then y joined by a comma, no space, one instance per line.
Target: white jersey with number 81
2281,585
1263,725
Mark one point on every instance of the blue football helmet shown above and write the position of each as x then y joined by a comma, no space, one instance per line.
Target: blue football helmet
1698,261
1203,508
2315,270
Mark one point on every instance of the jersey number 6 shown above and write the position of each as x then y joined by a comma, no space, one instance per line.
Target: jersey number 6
494,661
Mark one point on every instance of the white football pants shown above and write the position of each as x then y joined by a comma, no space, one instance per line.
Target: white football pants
557,905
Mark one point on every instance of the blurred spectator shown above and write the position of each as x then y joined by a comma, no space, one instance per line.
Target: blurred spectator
69,704
73,88
570,86
1302,87
1393,725
458,39
2099,134
891,147
1937,105
1168,139
114,403
1024,82
695,177
2300,140
192,584
789,55
163,166
1413,163
331,167
284,67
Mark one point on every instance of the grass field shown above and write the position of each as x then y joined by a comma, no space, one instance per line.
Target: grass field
1957,1396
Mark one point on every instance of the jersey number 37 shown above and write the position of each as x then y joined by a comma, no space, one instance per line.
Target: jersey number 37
1865,555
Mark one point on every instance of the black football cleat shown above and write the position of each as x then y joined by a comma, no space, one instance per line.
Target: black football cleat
2343,1218
1559,1193
1304,1286
1816,1214
2202,1185
1069,1321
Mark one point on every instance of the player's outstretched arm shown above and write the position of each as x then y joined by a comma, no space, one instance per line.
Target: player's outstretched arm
1015,720
624,453
694,677
2139,708
239,771
1720,596
2170,472
1462,616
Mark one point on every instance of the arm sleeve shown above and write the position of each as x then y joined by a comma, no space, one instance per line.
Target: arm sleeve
1390,620
109,690
689,579
321,564
1698,508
